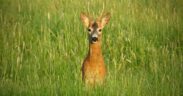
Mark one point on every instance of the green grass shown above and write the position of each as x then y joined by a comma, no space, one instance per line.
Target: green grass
43,44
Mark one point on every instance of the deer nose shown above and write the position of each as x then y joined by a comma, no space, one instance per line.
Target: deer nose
94,39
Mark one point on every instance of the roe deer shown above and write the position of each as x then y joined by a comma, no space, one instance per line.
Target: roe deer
93,68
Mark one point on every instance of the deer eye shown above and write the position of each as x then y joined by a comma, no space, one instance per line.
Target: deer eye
89,29
100,30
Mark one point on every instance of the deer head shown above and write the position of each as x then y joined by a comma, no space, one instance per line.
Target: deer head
95,27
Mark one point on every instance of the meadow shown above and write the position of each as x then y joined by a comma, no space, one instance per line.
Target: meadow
43,44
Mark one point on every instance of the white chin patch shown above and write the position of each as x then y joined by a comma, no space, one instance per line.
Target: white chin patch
94,42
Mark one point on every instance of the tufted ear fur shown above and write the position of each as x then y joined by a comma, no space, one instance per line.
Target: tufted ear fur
104,19
85,19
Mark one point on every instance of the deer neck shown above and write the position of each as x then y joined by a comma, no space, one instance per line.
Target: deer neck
95,50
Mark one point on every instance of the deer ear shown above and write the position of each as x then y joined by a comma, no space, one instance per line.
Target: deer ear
84,19
105,19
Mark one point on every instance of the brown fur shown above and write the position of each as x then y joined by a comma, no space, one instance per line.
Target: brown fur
93,68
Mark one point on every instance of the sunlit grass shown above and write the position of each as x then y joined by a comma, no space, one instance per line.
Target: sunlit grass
43,44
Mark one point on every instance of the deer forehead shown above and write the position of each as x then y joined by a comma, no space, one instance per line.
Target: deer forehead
94,25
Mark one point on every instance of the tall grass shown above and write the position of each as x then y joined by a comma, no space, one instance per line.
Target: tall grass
43,44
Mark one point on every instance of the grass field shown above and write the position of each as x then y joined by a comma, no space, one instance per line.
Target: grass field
43,44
